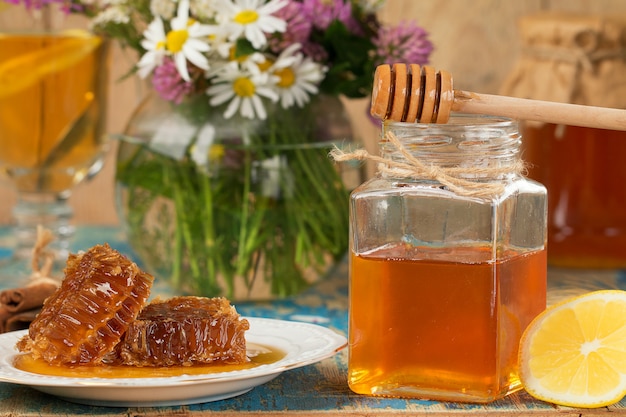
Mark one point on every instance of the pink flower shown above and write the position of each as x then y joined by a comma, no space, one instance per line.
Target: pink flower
406,42
168,83
321,13
298,27
304,17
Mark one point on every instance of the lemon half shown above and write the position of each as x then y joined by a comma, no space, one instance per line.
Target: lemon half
574,353
27,69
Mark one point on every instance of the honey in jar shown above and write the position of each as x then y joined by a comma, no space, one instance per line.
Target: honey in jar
448,262
583,169
573,58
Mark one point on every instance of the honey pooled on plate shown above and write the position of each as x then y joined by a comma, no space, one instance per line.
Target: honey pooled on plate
185,331
258,355
101,295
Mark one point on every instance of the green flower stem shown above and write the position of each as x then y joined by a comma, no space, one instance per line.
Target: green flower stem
184,223
304,246
328,201
209,232
242,254
170,183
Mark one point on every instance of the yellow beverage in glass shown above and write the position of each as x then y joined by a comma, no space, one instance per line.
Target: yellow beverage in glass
52,115
52,105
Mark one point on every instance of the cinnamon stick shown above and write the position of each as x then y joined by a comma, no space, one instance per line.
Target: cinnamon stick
16,321
20,306
32,296
4,316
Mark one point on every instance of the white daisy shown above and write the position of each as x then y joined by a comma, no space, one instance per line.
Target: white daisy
252,18
244,89
296,77
187,40
154,43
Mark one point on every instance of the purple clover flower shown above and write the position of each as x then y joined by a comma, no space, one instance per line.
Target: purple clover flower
298,27
322,13
305,16
406,42
169,84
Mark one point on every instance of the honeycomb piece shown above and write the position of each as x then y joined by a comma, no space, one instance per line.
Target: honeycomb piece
102,293
184,331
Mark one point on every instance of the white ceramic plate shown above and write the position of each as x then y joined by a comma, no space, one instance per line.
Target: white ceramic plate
303,343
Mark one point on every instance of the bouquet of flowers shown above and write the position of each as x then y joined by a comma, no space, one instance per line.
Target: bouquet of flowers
250,52
248,190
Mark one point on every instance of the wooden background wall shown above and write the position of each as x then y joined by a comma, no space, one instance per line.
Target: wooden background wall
476,40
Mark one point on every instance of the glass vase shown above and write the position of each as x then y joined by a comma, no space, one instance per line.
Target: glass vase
248,209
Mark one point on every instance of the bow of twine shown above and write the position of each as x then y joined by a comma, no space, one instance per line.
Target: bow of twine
582,59
579,56
451,177
42,261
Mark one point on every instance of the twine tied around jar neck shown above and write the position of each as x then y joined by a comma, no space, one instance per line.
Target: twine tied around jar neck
451,177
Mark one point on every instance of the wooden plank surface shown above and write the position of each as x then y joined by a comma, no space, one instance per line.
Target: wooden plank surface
320,389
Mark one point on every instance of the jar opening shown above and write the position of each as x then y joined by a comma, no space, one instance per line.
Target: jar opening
465,140
469,152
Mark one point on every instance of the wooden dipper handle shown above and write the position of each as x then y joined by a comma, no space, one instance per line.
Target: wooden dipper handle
410,93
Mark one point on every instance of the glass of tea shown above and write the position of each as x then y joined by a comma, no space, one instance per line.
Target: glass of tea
52,115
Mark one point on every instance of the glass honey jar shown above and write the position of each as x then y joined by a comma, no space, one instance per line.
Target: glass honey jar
575,58
447,264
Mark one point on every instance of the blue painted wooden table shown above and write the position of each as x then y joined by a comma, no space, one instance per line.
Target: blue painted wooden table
319,389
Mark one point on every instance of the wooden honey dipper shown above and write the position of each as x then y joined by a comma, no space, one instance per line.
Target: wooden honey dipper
410,93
